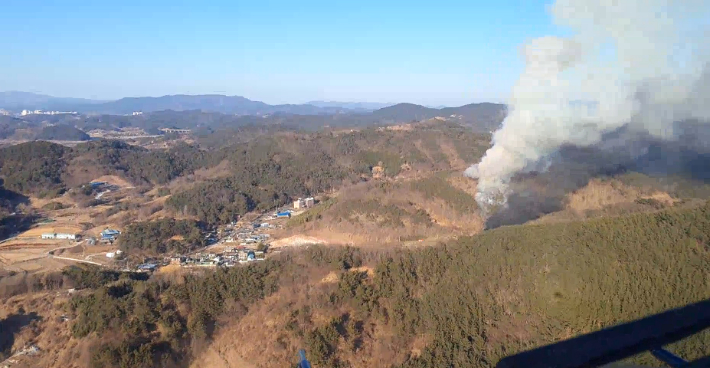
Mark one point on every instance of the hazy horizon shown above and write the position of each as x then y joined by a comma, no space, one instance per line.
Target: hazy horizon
366,102
446,53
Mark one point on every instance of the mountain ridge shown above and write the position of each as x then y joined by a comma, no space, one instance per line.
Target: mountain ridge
236,105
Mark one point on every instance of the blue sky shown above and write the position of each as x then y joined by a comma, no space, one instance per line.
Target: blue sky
434,52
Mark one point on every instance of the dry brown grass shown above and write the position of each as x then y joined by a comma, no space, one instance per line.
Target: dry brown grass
221,357
605,198
597,195
38,203
662,197
419,344
420,146
454,159
49,333
170,269
50,228
296,241
330,278
333,276
445,216
186,182
466,184
364,229
41,264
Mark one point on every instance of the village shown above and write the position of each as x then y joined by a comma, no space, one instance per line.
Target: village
240,242
236,243
233,244
59,240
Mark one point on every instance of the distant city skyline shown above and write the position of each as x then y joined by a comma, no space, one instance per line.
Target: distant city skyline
446,53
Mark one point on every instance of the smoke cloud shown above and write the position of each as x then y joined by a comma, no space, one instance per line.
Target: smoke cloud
639,66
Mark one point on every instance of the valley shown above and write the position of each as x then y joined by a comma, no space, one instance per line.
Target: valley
231,274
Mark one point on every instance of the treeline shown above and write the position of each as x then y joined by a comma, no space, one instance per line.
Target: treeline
162,236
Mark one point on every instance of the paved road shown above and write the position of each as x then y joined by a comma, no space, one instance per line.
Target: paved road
51,255
78,260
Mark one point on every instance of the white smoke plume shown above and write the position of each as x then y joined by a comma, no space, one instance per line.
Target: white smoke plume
639,64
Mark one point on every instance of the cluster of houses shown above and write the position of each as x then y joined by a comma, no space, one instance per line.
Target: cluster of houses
108,235
247,237
250,234
230,257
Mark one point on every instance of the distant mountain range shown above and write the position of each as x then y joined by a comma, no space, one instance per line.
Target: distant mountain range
189,111
16,101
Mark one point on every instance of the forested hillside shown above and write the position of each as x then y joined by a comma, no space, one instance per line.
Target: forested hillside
62,133
33,167
465,303
394,212
260,173
480,117
47,169
270,171
162,236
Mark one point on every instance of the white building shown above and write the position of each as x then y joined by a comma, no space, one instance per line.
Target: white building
66,236
59,236
299,203
309,202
